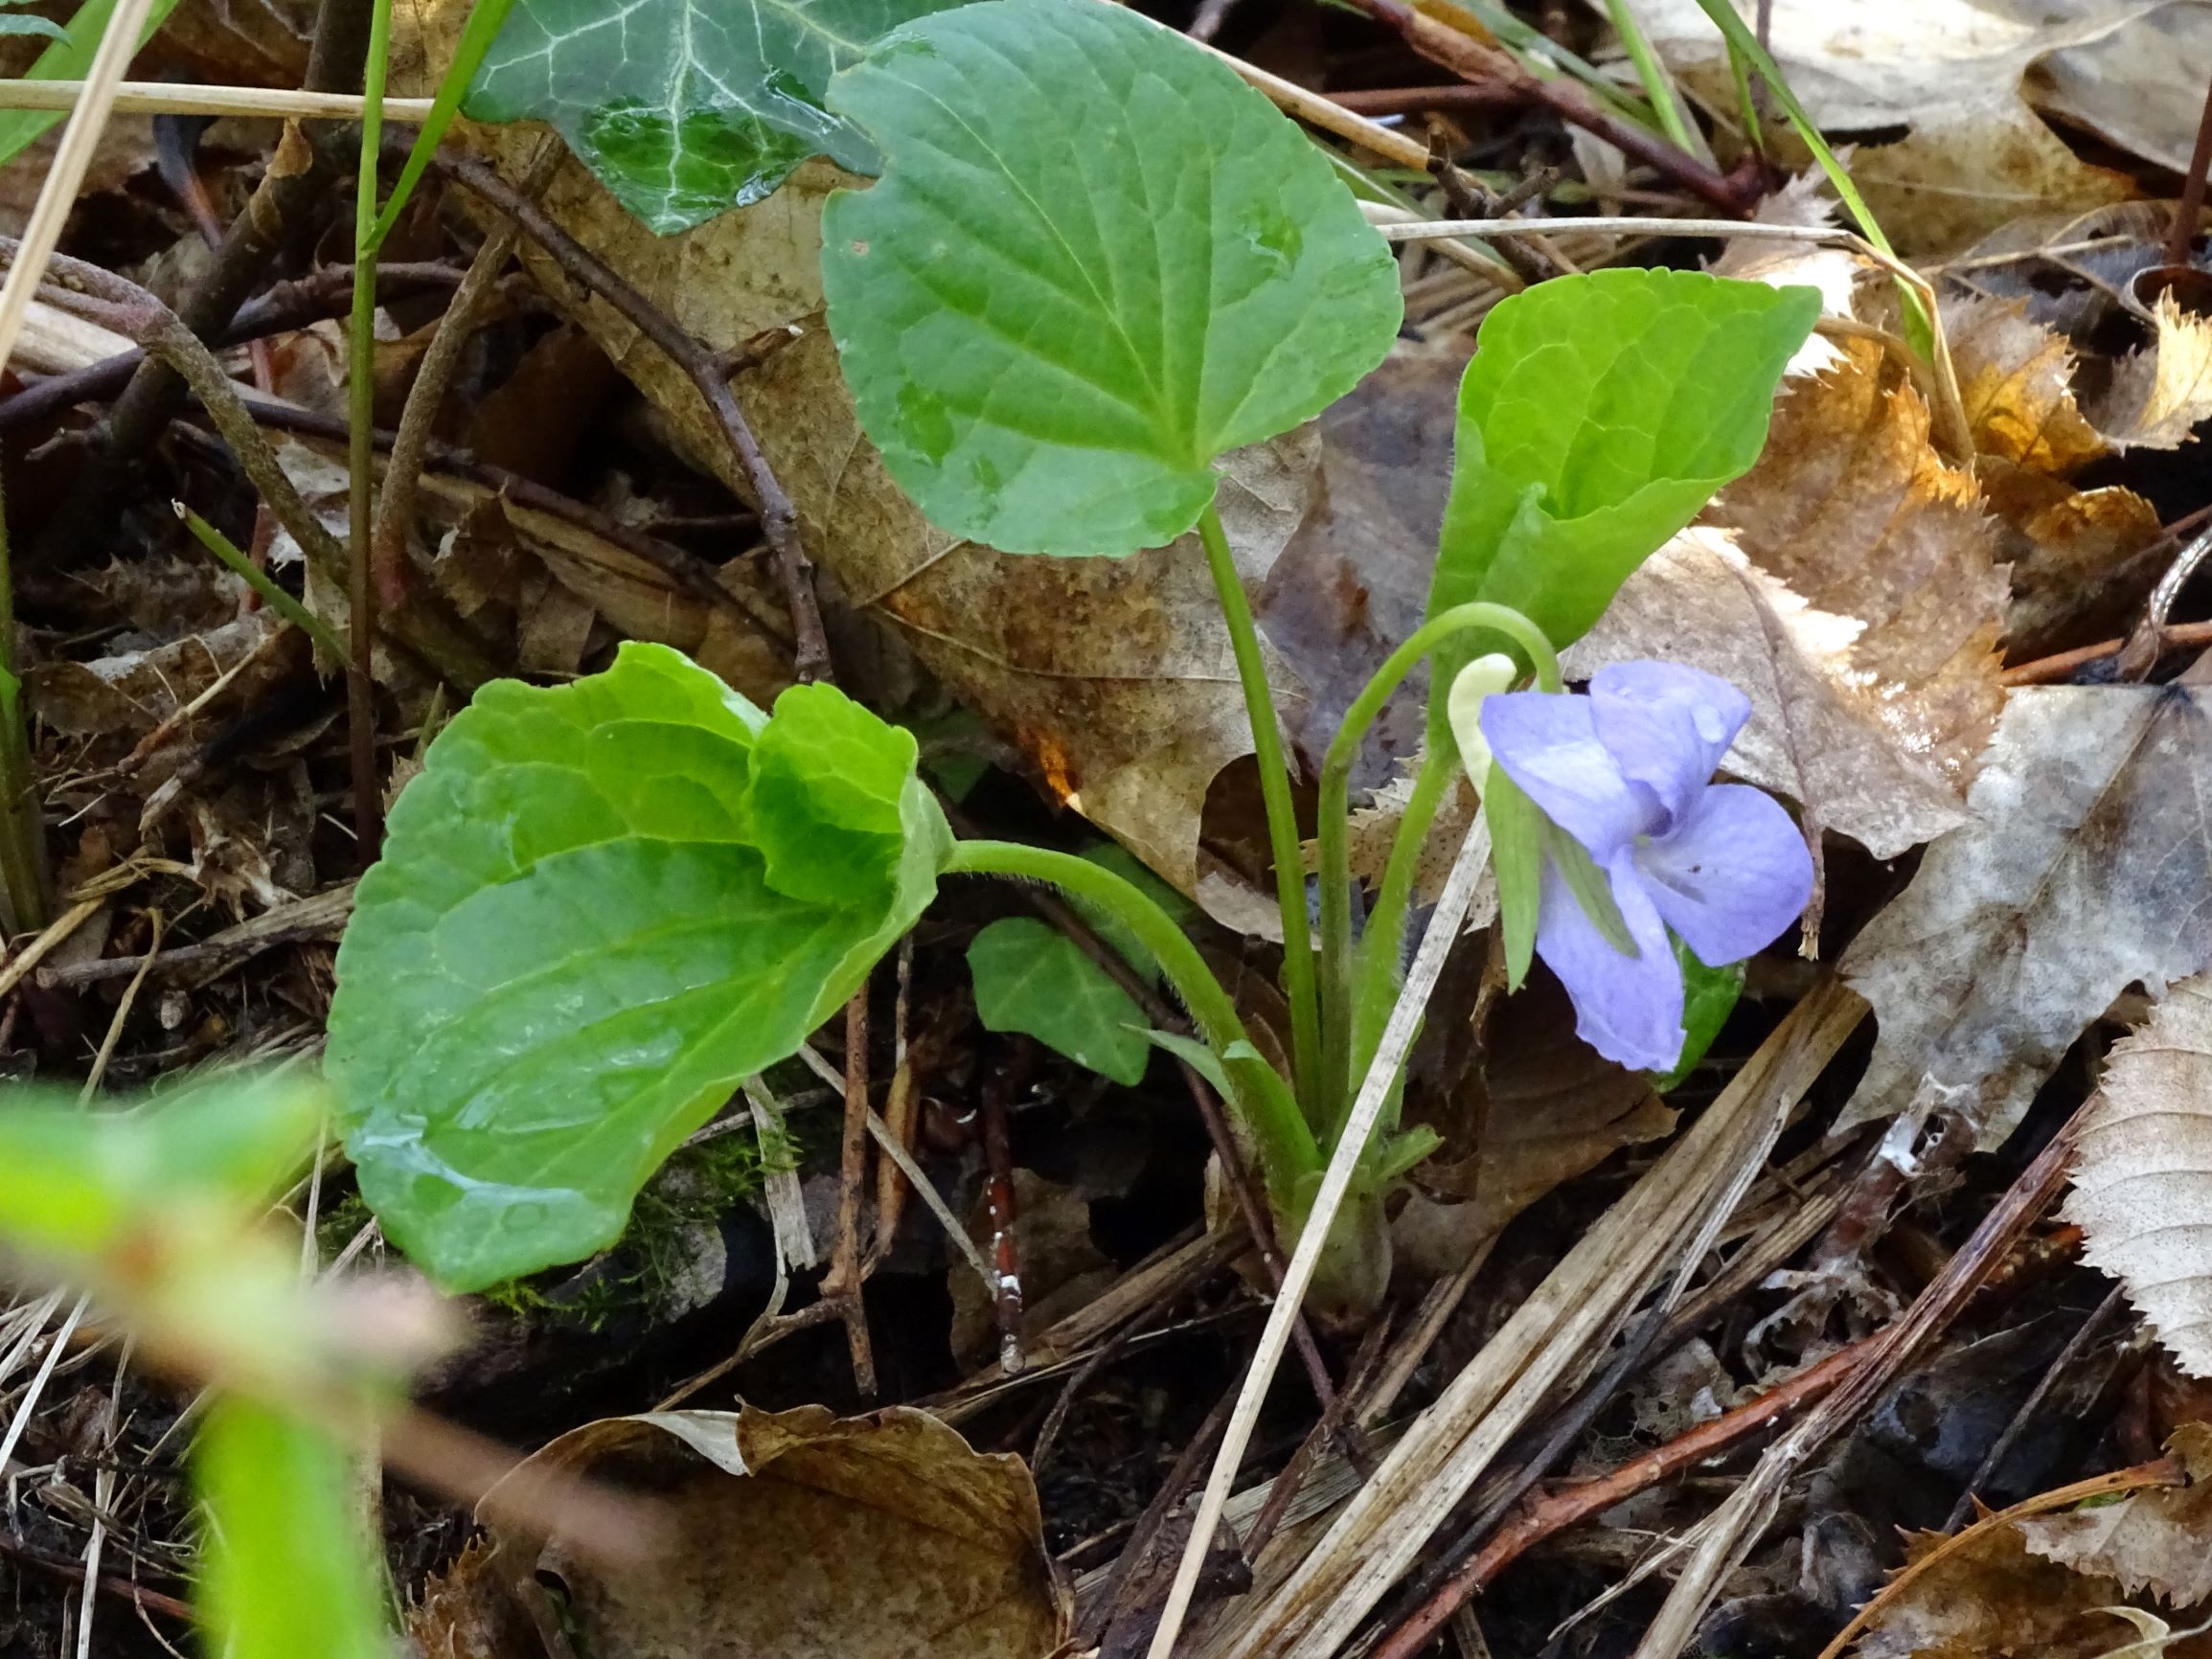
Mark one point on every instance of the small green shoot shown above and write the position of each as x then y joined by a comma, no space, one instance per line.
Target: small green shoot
226,553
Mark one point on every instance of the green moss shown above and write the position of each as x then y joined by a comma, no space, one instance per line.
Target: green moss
699,1185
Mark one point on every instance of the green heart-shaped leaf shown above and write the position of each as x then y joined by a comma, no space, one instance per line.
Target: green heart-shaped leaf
599,908
682,108
1096,261
1031,977
1600,413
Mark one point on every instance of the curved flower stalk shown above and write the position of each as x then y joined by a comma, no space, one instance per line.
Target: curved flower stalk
1641,843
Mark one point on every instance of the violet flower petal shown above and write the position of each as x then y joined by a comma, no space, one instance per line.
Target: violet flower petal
1549,745
1732,877
1628,1008
1666,727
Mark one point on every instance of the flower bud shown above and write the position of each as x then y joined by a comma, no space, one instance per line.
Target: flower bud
1480,679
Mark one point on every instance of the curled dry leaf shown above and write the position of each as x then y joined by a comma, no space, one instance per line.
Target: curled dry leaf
2143,1178
1853,510
795,1533
1975,154
2160,392
2082,559
1818,731
2086,871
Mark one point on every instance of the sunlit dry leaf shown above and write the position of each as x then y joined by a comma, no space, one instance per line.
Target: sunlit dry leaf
2016,381
2143,1178
794,1533
2160,392
1817,731
1975,154
2086,871
1854,511
2154,1539
2081,560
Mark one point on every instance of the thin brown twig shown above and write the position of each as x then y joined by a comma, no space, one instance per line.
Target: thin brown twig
2056,670
1542,1515
123,304
779,519
2189,210
2084,1334
1485,65
411,442
292,199
1736,1524
841,1284
279,309
686,570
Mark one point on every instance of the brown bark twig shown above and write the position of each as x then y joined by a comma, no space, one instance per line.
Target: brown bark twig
1731,1531
395,517
686,570
291,201
1544,1515
841,1284
1485,66
275,310
779,519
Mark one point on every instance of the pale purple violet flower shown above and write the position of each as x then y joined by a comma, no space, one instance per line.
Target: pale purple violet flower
1626,771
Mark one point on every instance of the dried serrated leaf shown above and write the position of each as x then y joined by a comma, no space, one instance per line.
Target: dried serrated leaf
2151,1540
2086,871
1989,1595
1818,733
2016,380
2143,1180
1851,509
2160,392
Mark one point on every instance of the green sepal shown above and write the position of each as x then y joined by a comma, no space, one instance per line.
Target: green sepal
1590,885
1709,995
1517,859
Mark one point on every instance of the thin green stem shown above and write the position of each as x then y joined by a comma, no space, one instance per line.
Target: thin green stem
1657,87
1335,809
476,38
227,553
26,878
361,454
1284,1139
1299,985
1383,944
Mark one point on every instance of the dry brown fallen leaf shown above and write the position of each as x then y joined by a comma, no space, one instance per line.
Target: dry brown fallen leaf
1114,678
2082,559
2143,1177
1853,510
2151,1540
2086,871
1975,154
796,1533
1541,1112
1818,731
2049,1577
